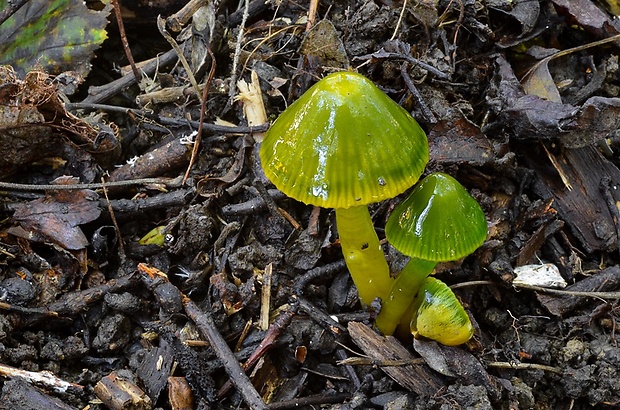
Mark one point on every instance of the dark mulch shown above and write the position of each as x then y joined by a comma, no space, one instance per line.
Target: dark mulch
243,277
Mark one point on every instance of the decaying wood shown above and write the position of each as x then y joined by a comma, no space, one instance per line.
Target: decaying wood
419,379
17,395
584,207
43,379
120,393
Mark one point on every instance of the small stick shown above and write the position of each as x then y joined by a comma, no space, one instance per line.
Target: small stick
430,117
399,56
274,331
302,281
206,326
314,6
121,246
400,20
45,379
525,366
237,55
124,41
265,298
171,183
161,25
181,17
203,108
104,92
559,292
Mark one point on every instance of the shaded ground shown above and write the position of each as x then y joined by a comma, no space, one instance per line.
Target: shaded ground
83,299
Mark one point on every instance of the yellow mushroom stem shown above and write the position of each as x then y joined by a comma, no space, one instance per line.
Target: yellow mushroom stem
402,293
363,253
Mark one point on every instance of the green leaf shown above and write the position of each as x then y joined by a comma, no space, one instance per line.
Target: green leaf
57,35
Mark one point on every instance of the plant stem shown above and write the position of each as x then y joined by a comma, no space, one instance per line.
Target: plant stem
363,253
402,293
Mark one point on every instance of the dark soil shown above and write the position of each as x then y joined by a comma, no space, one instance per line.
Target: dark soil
243,274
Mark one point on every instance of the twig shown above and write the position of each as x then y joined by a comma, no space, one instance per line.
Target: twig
275,330
203,108
319,316
104,92
430,117
309,401
525,366
212,128
302,281
400,56
559,292
265,298
161,25
253,205
367,361
206,326
121,246
400,19
124,41
181,17
233,76
566,52
314,6
168,182
45,379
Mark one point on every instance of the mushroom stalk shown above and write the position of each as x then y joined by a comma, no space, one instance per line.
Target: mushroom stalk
402,293
363,253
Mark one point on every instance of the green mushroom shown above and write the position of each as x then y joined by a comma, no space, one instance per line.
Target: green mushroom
438,315
345,144
438,222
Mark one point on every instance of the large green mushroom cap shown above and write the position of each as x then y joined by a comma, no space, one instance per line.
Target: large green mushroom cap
344,143
438,222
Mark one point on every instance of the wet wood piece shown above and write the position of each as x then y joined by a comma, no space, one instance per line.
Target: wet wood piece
19,395
156,368
583,207
457,362
419,379
159,161
120,393
44,379
606,280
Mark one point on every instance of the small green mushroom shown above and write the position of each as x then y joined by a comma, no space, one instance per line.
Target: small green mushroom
438,222
438,315
345,144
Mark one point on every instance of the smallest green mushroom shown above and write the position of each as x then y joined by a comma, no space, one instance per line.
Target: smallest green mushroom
438,222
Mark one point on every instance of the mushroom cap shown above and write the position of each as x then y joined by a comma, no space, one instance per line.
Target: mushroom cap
344,143
440,316
439,221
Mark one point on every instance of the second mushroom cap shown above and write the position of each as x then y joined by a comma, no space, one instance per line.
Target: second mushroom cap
438,222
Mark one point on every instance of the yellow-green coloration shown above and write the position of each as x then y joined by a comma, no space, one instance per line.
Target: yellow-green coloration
438,222
57,35
345,144
440,316
156,236
363,253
